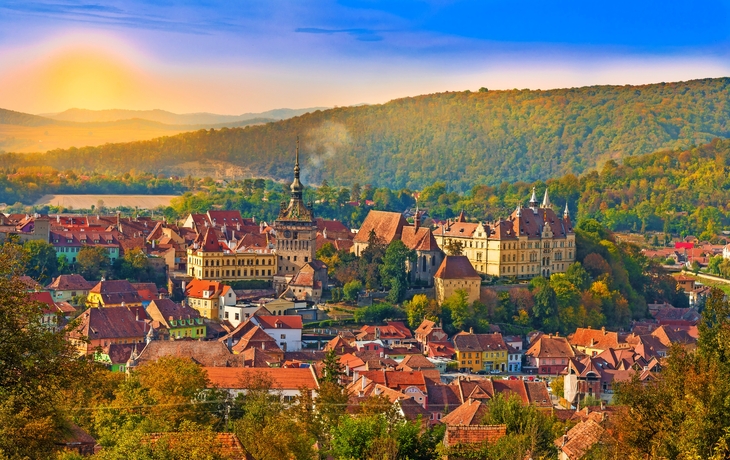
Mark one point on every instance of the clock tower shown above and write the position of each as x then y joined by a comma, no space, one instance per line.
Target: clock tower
296,230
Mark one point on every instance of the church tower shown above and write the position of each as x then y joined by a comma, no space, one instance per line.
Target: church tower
296,230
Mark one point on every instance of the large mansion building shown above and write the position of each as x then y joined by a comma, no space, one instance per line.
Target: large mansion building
532,241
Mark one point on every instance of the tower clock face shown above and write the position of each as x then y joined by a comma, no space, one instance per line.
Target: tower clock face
287,234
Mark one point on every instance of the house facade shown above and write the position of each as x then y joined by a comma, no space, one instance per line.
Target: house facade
481,352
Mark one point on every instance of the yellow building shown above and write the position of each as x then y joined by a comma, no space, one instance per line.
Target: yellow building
209,298
481,352
532,241
249,258
456,273
113,293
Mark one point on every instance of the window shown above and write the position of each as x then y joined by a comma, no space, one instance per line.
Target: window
238,316
283,336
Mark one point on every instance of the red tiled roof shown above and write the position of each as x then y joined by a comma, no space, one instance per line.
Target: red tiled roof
388,226
594,338
551,347
163,310
70,283
456,267
470,413
419,239
109,323
279,322
578,441
44,298
465,341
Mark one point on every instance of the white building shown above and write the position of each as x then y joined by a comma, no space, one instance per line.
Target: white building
237,314
286,330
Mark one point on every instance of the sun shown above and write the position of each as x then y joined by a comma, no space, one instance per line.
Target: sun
87,79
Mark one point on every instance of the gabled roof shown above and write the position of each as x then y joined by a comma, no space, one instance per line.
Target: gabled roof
594,338
109,323
551,347
70,283
456,268
213,354
114,292
164,310
45,298
419,239
388,226
396,380
465,341
257,338
425,327
196,287
579,440
470,413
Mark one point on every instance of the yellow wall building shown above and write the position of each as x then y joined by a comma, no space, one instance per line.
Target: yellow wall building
250,259
532,241
481,352
456,273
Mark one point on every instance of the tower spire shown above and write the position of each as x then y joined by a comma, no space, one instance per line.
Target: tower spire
566,213
546,200
296,186
533,199
296,163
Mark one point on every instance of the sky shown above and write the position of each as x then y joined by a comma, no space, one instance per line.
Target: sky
233,57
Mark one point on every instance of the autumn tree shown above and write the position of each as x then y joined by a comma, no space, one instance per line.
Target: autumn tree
36,365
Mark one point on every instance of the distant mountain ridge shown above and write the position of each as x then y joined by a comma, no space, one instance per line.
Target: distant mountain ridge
170,118
461,138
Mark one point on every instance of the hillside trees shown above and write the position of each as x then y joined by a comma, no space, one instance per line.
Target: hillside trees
531,135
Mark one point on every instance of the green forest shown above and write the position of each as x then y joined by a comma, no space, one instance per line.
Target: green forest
461,138
677,192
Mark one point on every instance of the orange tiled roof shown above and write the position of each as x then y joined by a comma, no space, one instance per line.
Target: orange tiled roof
235,378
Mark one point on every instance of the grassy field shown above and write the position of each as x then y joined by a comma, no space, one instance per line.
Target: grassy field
110,201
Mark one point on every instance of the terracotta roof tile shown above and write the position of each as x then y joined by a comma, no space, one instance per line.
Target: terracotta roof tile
456,267
281,378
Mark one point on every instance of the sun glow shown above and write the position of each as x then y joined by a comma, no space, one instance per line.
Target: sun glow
87,79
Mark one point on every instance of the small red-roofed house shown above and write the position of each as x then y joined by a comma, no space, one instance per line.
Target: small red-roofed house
549,355
51,311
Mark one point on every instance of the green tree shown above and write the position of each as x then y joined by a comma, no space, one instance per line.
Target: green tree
35,368
394,271
416,310
351,290
42,261
92,262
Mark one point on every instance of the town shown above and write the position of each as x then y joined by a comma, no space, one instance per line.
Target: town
245,300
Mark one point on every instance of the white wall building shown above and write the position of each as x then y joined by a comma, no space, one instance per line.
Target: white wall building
286,330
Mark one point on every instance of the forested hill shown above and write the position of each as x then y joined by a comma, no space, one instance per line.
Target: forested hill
464,138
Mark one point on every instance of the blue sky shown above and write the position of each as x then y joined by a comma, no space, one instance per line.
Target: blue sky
234,57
